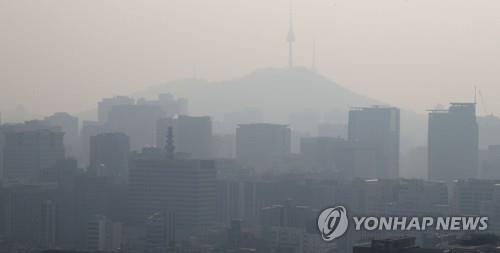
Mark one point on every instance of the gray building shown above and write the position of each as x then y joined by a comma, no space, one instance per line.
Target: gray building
136,121
111,152
170,104
89,129
261,144
184,188
31,148
106,104
375,133
453,142
69,125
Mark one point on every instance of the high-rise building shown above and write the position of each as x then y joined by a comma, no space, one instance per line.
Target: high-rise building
30,148
2,142
489,161
104,234
261,144
106,104
160,232
453,142
375,130
89,129
467,195
136,121
28,214
193,135
171,105
69,125
491,209
48,224
111,151
236,200
184,188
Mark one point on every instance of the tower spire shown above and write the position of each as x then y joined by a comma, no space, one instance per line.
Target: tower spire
290,37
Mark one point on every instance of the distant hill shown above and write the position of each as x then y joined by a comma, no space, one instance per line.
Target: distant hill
279,93
276,92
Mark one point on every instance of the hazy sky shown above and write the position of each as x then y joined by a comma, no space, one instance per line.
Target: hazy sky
67,54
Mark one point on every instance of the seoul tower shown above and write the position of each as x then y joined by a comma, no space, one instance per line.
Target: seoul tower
290,39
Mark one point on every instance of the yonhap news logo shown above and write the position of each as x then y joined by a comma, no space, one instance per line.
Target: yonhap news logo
333,222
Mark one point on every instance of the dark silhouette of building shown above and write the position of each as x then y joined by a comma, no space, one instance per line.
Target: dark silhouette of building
186,188
490,162
171,106
89,129
29,214
111,151
160,232
375,132
106,104
453,142
30,148
69,125
136,121
468,243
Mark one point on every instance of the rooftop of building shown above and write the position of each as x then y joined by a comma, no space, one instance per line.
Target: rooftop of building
263,125
373,107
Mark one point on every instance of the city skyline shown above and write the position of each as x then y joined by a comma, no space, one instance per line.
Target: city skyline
236,126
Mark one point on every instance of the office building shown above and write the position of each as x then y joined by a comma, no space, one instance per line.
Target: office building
467,195
136,121
186,188
489,163
69,125
106,104
111,151
104,235
30,148
171,105
89,129
453,142
375,133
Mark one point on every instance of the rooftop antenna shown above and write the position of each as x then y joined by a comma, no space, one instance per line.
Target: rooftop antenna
483,103
290,37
